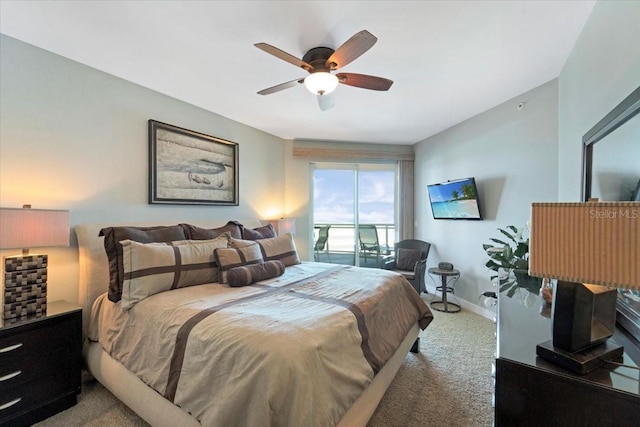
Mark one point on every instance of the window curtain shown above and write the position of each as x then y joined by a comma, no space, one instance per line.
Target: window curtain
406,195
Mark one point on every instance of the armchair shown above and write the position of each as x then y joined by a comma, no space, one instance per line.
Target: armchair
410,260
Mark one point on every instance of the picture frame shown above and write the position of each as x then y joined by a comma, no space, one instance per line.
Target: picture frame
191,168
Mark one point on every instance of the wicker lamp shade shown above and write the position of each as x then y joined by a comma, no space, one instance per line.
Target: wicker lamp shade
592,242
591,248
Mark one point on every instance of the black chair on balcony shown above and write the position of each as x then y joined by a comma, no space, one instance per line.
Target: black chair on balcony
410,260
322,243
369,244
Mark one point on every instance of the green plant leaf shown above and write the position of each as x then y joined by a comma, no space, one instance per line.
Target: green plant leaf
487,246
512,290
522,264
521,250
492,265
503,243
513,228
509,235
509,254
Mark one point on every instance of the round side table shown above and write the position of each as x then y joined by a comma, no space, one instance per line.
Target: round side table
448,278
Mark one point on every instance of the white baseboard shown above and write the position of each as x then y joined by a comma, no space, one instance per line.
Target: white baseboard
485,312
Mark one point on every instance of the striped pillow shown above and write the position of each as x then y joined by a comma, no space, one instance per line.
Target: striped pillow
112,237
248,274
151,268
281,248
228,258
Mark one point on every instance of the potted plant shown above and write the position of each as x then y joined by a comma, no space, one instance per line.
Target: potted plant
512,255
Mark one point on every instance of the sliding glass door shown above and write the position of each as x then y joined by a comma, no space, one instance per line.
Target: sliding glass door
354,212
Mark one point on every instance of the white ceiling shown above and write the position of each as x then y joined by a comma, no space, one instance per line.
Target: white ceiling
449,60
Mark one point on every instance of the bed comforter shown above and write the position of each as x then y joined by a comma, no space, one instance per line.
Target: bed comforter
291,351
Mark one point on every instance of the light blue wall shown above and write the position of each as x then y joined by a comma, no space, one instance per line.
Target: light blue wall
512,153
75,138
505,151
603,68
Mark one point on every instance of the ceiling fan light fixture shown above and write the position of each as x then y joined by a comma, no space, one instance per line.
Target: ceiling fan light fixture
321,83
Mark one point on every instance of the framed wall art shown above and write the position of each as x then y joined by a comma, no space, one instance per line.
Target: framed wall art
191,168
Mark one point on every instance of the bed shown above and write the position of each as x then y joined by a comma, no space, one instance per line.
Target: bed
316,345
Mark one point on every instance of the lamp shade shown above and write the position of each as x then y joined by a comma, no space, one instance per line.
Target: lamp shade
321,83
284,225
592,242
25,228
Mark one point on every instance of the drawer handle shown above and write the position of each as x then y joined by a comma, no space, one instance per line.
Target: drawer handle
11,375
10,348
10,404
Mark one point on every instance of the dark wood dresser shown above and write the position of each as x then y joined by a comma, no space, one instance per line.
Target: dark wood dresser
533,392
40,364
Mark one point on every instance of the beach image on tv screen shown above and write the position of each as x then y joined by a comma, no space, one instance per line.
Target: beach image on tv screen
456,199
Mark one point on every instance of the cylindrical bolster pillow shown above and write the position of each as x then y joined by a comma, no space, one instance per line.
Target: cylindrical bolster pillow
248,274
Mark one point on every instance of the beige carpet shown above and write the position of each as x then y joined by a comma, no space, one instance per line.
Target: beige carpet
447,384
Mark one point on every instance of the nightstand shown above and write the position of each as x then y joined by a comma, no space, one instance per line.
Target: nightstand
40,364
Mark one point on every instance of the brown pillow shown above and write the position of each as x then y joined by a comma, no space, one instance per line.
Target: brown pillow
407,258
114,235
258,233
248,274
193,232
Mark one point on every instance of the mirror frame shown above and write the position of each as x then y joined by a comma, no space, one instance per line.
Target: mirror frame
623,112
627,315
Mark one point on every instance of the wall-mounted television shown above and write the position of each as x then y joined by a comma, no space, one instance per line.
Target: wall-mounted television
455,199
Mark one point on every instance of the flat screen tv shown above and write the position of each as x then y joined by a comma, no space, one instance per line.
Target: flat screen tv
455,199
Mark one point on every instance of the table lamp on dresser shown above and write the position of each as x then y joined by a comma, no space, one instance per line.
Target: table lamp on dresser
592,248
25,275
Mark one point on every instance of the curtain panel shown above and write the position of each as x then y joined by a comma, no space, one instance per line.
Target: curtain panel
406,196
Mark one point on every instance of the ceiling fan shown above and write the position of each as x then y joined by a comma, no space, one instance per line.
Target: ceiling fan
319,62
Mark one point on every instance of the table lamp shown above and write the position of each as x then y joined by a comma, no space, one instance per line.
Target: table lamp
25,276
592,248
284,226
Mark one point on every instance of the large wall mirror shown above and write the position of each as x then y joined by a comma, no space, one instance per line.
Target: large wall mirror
612,154
611,172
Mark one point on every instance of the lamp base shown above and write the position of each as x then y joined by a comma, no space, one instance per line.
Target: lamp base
25,287
580,362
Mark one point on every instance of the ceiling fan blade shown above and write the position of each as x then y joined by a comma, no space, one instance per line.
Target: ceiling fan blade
325,101
364,81
281,86
358,44
284,56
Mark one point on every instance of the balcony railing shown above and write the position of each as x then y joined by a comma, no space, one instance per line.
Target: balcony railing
342,245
